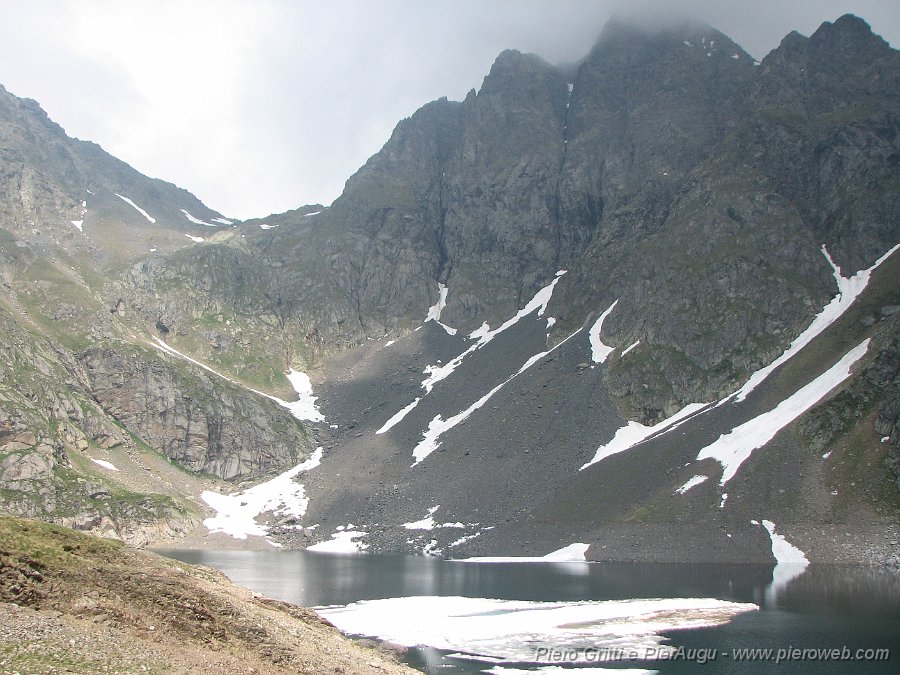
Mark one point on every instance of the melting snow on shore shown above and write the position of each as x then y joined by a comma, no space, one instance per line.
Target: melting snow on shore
135,206
571,553
344,540
236,513
514,631
790,561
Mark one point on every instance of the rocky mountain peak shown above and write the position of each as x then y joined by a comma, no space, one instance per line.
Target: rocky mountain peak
626,41
849,34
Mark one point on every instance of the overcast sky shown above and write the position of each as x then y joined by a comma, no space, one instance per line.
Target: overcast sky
260,106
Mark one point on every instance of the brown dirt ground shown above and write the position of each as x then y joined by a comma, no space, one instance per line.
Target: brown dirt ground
76,604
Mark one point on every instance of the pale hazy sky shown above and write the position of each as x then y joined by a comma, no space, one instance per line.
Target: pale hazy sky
260,106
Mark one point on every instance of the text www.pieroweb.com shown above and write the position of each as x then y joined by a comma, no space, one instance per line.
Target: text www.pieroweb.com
702,655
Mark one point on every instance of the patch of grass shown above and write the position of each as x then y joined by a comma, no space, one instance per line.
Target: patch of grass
41,545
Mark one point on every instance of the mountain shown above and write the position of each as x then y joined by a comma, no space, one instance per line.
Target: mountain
82,378
643,303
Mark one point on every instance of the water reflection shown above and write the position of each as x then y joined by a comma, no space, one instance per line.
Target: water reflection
825,606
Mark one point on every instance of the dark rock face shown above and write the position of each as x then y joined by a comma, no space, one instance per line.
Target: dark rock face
194,420
676,176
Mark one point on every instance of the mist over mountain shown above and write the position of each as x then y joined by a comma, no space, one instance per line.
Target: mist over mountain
638,302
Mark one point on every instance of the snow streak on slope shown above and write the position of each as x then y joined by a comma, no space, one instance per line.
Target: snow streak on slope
106,465
732,449
629,348
196,240
236,513
303,409
139,209
484,334
634,433
849,288
600,351
512,631
434,312
196,220
398,416
693,482
438,425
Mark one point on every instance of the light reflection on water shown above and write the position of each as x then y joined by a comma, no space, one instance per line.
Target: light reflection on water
824,606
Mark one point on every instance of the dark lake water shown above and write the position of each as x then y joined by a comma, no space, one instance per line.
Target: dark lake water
553,617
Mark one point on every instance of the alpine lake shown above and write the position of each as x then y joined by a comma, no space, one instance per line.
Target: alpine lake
580,617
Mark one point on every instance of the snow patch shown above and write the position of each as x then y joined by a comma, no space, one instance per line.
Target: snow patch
196,240
398,417
511,631
304,408
693,482
104,464
629,348
571,553
733,448
634,433
265,226
223,221
342,541
600,351
78,224
138,208
434,312
196,221
428,522
236,513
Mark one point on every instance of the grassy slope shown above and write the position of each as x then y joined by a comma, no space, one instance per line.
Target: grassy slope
96,605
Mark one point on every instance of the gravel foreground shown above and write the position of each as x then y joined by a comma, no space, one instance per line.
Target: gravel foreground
71,603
